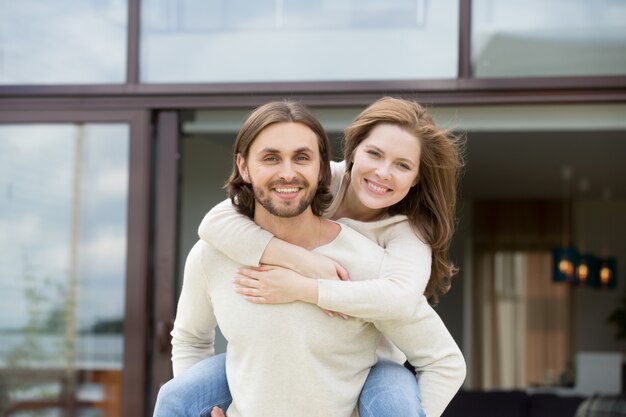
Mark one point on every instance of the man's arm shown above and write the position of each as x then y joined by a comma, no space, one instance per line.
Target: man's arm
430,348
194,328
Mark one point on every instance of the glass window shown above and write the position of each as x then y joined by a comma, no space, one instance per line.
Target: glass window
63,216
63,42
534,38
198,41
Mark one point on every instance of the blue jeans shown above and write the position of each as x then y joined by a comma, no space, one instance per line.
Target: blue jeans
389,391
196,391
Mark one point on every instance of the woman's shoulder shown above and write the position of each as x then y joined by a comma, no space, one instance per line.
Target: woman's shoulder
337,171
397,228
380,231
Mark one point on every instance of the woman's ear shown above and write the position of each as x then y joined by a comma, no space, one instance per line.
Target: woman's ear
243,168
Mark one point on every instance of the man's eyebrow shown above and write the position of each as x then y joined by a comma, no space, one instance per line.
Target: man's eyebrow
304,149
274,150
269,150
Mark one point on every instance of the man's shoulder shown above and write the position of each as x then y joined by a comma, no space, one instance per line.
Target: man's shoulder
205,252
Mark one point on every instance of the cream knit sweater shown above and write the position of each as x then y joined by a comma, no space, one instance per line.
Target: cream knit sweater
392,293
291,359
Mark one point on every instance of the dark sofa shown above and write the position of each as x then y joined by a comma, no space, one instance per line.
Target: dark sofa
511,404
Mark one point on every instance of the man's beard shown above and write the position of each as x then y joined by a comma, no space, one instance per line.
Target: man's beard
298,207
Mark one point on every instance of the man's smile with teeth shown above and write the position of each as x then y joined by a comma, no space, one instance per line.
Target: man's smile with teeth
286,190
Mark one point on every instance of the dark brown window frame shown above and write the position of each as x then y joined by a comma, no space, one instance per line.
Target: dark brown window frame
463,90
135,305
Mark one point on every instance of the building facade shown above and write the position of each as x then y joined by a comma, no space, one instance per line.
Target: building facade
117,119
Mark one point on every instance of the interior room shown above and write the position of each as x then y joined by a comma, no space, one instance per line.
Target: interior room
531,183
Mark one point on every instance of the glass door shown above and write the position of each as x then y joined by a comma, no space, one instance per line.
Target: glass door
73,199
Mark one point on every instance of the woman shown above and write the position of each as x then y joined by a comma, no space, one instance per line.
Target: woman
398,187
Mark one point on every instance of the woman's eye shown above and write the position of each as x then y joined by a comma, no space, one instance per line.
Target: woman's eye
302,158
404,166
270,159
374,153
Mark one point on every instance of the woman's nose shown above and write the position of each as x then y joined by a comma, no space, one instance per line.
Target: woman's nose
382,171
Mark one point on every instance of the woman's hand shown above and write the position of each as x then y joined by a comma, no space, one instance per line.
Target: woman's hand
274,285
319,266
278,285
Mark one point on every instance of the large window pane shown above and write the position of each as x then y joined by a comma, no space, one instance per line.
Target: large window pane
63,42
519,38
297,40
63,216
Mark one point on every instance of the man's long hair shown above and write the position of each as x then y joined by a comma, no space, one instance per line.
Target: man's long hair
241,192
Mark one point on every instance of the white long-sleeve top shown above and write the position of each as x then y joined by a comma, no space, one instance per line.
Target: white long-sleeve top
291,359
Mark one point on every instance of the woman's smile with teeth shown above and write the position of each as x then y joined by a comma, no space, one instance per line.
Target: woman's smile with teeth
376,188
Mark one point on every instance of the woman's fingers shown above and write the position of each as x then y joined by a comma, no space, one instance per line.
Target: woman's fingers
242,281
255,273
342,273
251,292
258,300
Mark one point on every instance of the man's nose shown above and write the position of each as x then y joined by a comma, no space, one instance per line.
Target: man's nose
287,171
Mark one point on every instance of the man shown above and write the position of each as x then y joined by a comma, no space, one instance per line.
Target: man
292,360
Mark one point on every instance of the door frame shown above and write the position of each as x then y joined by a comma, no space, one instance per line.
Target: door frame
165,249
137,256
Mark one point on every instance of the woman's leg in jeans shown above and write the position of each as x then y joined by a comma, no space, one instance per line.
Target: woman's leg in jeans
196,391
390,391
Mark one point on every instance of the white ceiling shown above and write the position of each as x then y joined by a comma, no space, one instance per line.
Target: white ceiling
529,164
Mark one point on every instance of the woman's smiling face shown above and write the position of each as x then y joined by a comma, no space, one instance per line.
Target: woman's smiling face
385,166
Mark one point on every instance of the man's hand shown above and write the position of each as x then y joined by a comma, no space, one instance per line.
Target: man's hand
217,412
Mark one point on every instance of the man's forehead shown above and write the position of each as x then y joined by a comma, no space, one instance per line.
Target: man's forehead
287,137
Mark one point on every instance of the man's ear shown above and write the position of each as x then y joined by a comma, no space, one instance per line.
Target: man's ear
243,168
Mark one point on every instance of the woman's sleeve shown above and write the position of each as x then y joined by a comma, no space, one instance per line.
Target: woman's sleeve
431,349
234,234
393,294
237,236
337,171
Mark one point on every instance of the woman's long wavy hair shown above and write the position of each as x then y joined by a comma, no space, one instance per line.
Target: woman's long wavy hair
241,192
430,204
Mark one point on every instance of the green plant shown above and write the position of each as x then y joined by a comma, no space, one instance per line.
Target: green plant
618,318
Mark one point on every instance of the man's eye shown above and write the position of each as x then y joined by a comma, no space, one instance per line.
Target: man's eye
302,158
270,159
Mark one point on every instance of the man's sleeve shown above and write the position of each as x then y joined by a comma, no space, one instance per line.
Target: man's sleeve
193,335
430,348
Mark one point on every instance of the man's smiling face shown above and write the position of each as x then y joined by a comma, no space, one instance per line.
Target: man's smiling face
283,167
